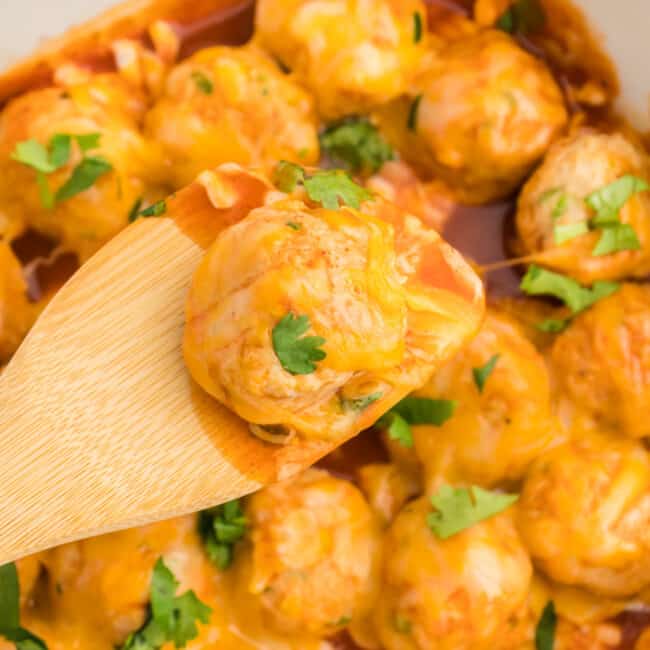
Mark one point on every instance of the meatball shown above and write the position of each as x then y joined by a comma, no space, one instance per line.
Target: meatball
314,321
352,54
495,432
312,558
228,104
482,115
105,581
584,515
573,169
462,593
602,362
83,221
16,312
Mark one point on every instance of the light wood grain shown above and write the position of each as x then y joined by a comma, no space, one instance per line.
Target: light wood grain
102,427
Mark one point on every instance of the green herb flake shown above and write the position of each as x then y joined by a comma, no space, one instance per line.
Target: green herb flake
565,232
287,175
33,154
539,281
545,631
481,374
220,529
553,325
397,428
560,207
456,509
84,176
523,17
402,625
412,120
60,147
344,620
297,355
10,612
330,188
422,410
616,237
202,82
294,226
155,210
608,200
361,403
44,192
172,618
356,144
417,27
135,209
546,196
88,141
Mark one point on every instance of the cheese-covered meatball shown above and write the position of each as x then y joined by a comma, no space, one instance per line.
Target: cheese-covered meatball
462,593
314,321
16,312
352,54
602,362
503,418
105,581
555,212
94,185
227,104
480,117
584,515
312,556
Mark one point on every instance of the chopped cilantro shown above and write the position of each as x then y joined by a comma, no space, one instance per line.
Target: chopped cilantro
83,176
220,528
172,618
60,148
397,428
357,144
361,403
561,206
548,195
522,17
155,210
330,188
456,509
567,231
88,141
481,374
10,612
545,631
298,356
553,325
294,226
44,191
402,625
202,82
539,281
33,154
417,27
608,200
135,209
287,175
616,237
344,620
412,120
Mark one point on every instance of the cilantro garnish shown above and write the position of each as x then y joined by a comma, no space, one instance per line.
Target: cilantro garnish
402,625
357,144
545,631
134,212
567,231
608,200
361,403
47,160
297,355
523,17
456,509
220,529
417,27
330,188
202,82
10,612
539,281
553,325
344,620
412,120
287,175
561,206
294,225
481,374
413,411
172,618
616,237
155,210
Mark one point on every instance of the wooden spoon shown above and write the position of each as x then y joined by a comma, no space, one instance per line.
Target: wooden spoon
102,427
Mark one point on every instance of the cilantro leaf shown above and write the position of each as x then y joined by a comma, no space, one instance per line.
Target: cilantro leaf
329,188
545,631
361,403
553,325
202,82
155,210
456,509
10,612
412,119
539,281
60,147
567,231
220,528
397,428
560,207
134,212
44,191
608,200
33,154
297,355
616,237
294,225
83,176
172,618
357,144
523,17
287,175
481,374
422,410
417,27
88,141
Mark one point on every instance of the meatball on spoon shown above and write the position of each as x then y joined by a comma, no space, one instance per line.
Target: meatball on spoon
104,428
